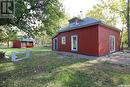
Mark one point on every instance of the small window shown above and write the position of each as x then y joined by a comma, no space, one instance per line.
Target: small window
63,40
28,43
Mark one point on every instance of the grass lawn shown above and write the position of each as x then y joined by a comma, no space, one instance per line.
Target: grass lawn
48,69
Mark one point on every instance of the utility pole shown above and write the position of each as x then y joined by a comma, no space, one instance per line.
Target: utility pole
128,22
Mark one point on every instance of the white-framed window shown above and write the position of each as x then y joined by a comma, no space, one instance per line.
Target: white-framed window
74,43
112,43
63,40
28,43
23,44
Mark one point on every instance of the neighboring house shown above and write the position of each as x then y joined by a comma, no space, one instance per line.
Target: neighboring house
26,42
88,36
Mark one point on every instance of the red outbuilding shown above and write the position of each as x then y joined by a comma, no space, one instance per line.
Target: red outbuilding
88,36
24,43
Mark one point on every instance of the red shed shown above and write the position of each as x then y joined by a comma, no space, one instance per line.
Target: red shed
27,42
88,36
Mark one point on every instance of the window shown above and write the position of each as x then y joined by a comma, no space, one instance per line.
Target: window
74,43
28,43
112,43
23,44
63,40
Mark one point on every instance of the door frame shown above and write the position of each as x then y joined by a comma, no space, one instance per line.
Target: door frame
114,47
72,42
55,45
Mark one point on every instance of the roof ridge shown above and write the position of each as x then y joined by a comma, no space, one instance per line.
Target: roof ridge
92,18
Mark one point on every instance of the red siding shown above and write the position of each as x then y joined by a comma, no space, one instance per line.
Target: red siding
103,38
92,40
27,44
30,45
87,40
16,44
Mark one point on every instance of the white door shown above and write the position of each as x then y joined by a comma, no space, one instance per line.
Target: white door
74,43
112,43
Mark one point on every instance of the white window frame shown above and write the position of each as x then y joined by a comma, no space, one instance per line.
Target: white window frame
112,37
72,49
28,43
63,40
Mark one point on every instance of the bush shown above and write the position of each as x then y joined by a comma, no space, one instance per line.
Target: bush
2,55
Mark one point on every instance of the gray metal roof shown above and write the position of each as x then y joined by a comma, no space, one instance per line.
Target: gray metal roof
28,39
84,23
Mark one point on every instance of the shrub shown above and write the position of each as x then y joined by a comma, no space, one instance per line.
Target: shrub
2,55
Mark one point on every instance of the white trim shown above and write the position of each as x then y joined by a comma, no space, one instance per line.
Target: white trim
112,37
72,49
14,55
63,40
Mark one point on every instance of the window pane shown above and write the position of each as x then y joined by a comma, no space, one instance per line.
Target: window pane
63,40
112,43
74,42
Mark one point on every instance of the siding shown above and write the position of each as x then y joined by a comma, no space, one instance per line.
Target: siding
92,40
103,39
87,40
16,44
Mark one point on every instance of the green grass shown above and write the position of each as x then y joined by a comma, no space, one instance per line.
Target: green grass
10,50
48,69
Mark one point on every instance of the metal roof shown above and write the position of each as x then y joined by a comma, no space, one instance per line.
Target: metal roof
85,23
28,39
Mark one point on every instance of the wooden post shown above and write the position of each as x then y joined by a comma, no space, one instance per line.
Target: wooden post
13,56
27,53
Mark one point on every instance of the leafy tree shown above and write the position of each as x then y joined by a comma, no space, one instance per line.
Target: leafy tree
107,10
37,16
10,34
2,35
125,38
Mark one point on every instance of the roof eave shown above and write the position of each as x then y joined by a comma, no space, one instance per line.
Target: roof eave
74,28
99,22
112,27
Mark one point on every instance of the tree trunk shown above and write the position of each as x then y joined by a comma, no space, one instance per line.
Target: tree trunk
8,43
122,44
128,27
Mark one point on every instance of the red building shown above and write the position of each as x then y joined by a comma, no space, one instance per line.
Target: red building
28,43
88,36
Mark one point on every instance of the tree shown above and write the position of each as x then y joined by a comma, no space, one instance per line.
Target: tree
103,12
37,16
30,15
128,21
10,34
2,35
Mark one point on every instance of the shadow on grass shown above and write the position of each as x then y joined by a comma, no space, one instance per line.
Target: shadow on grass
42,62
96,75
47,69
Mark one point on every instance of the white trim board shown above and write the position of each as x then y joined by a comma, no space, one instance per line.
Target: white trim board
72,44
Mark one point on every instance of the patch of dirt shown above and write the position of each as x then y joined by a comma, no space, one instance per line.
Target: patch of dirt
114,67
